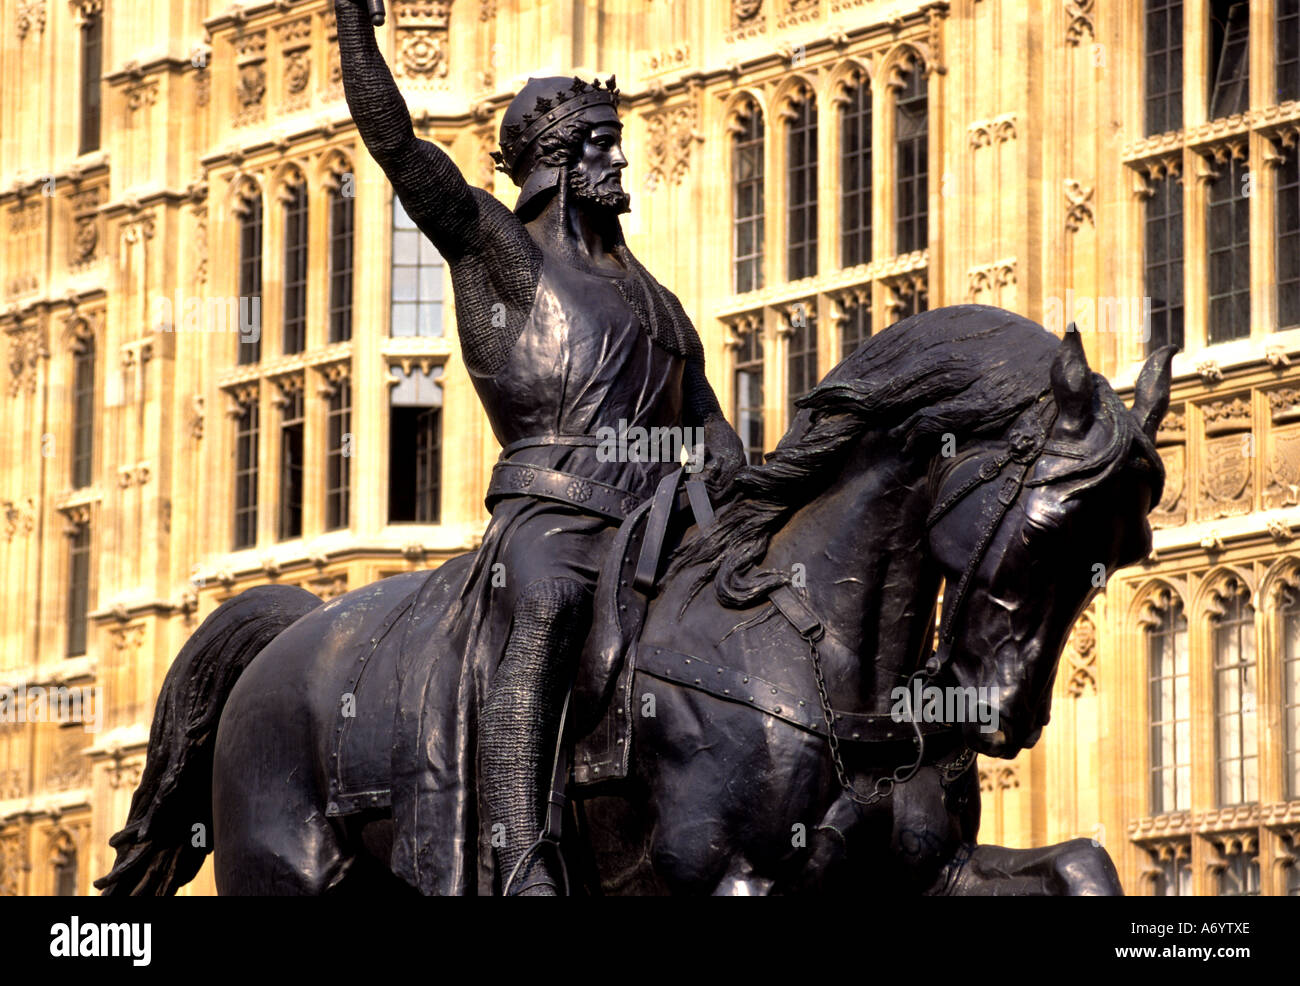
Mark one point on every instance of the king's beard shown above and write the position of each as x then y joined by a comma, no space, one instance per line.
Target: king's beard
614,199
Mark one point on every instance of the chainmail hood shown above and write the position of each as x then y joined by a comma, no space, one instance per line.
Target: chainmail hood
541,106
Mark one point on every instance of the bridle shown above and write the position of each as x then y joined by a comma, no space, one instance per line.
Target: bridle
1012,460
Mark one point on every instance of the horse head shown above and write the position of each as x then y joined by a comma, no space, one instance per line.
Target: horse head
1027,527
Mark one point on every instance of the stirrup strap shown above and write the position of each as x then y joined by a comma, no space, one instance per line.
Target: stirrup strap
553,821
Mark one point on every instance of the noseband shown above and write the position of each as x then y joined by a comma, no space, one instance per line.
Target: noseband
1012,460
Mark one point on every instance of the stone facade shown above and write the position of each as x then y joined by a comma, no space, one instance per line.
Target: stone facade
1038,174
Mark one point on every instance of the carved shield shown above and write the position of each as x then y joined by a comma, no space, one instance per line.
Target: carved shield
1226,482
1284,470
1171,510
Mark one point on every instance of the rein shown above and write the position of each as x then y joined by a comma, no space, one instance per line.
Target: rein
1026,443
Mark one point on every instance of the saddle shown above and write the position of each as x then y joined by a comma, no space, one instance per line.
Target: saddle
360,775
600,705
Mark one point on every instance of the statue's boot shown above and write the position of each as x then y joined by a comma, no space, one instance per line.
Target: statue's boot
521,719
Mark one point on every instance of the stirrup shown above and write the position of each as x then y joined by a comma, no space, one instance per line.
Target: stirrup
540,841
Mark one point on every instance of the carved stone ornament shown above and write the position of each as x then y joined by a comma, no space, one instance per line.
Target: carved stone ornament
1172,509
1081,651
670,134
1226,486
31,18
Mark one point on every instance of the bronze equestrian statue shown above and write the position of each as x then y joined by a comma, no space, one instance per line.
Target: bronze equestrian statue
733,727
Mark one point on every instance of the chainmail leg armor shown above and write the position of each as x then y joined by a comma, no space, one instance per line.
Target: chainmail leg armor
521,717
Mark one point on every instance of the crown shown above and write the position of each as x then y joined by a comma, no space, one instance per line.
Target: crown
548,112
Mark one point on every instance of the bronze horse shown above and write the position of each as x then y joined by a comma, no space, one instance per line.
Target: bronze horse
964,446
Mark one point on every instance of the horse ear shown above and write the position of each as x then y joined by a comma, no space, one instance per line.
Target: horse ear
1072,385
1151,395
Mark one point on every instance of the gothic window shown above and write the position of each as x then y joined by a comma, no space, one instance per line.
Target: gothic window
747,200
1228,246
1164,66
340,265
1287,13
1163,258
1292,872
295,269
417,280
801,186
65,873
1169,706
910,296
92,57
855,175
911,144
250,276
291,461
415,448
339,457
748,412
1288,238
1290,615
1239,876
855,323
78,589
1229,58
801,355
1235,697
246,433
83,411
1173,871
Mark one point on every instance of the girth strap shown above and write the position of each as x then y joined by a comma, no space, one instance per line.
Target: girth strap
801,711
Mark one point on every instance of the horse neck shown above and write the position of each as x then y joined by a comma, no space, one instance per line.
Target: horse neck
866,567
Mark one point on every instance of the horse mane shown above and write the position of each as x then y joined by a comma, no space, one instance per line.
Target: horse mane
966,370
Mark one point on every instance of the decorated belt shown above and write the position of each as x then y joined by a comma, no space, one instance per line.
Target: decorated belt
590,495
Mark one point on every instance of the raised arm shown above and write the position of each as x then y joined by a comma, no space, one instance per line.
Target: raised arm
491,255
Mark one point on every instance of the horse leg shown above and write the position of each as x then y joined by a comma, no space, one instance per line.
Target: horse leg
1078,868
271,836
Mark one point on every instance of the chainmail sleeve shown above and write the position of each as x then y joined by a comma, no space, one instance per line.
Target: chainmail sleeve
493,259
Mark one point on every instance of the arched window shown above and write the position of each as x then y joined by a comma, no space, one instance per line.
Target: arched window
246,462
417,280
92,62
855,175
801,189
747,200
83,411
1229,74
801,361
341,249
415,447
292,422
1287,35
78,586
65,871
1164,66
1235,696
1163,254
1169,708
250,277
338,458
1290,621
855,321
1228,245
295,268
748,391
912,162
1288,237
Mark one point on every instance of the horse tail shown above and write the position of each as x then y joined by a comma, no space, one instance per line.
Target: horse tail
156,851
